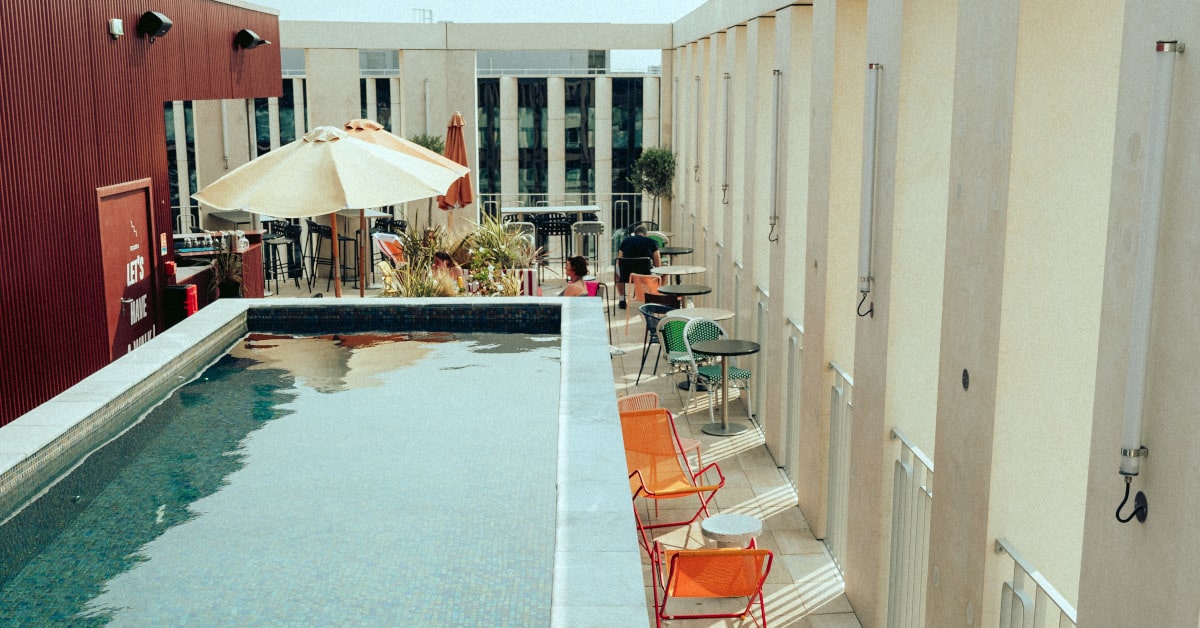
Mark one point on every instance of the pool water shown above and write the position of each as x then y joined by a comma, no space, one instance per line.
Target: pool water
406,479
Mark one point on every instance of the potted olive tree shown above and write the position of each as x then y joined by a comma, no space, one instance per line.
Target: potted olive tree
653,173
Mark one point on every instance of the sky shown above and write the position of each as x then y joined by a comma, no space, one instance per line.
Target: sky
614,11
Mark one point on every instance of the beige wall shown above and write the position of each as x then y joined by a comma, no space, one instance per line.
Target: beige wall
1053,269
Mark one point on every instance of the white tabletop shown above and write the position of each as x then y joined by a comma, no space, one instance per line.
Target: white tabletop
731,529
677,270
711,313
367,213
551,209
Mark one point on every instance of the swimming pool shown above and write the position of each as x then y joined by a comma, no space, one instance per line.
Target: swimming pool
596,574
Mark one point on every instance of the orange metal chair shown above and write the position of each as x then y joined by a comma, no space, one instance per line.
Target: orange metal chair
642,285
658,471
649,401
708,574
389,245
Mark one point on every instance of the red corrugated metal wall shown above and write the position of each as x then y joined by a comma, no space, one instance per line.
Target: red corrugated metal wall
81,110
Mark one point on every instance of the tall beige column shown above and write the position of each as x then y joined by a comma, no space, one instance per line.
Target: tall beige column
509,143
980,149
603,142
556,140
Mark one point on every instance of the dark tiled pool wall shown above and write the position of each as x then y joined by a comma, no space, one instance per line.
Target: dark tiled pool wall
360,317
120,411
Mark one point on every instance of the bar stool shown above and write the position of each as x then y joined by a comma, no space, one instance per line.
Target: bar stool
589,232
285,236
318,235
558,224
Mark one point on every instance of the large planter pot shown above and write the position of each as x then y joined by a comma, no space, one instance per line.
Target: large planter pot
529,283
230,289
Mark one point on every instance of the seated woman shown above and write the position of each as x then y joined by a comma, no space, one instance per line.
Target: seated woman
442,263
576,270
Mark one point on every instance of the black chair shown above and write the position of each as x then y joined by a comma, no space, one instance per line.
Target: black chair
653,313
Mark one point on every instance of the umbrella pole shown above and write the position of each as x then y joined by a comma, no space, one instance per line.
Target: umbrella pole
337,275
362,253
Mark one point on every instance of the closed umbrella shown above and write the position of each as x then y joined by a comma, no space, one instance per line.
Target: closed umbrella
460,193
373,132
322,173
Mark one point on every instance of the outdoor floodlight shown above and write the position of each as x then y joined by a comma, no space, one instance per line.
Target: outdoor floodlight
153,24
247,38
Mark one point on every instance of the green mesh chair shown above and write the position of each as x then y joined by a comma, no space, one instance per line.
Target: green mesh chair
700,330
670,336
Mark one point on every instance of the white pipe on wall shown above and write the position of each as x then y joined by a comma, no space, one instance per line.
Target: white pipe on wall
1147,253
866,217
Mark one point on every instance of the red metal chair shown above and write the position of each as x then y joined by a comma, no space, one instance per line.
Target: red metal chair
709,574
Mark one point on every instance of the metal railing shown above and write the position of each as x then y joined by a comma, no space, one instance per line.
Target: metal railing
912,501
626,208
837,515
1029,600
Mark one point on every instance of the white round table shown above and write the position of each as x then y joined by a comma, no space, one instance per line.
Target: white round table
677,271
731,530
711,313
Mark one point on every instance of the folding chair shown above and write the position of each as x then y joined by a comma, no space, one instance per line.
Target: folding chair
649,401
657,470
709,574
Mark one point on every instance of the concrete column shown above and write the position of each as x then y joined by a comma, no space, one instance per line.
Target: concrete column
1145,573
980,150
509,164
301,112
332,76
650,113
603,141
556,140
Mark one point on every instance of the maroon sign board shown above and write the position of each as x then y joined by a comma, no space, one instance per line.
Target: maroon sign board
127,248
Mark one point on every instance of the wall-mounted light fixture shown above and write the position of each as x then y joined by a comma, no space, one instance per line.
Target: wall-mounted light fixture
116,27
776,124
247,38
153,24
1132,450
866,225
725,134
696,144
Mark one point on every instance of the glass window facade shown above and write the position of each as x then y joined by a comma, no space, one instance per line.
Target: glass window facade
532,154
173,174
262,126
287,114
488,114
580,135
627,137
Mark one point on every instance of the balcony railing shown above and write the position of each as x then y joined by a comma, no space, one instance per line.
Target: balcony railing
912,501
1029,600
838,503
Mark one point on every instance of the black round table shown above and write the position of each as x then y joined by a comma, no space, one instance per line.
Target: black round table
674,250
725,348
684,290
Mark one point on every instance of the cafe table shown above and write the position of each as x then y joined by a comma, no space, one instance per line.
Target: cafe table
670,251
684,291
725,348
676,271
711,313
